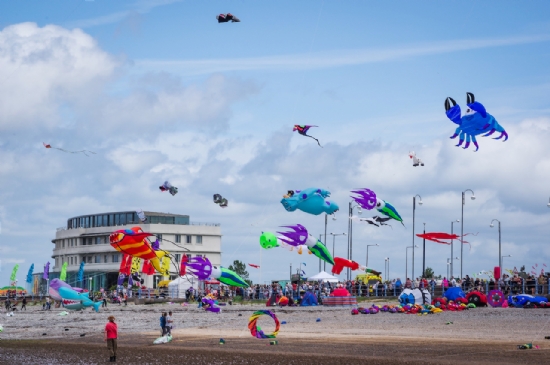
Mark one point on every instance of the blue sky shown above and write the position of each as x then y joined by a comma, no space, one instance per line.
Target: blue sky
161,91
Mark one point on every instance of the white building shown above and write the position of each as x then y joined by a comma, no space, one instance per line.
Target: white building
86,239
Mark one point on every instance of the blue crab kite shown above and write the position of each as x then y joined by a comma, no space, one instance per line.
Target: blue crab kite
475,121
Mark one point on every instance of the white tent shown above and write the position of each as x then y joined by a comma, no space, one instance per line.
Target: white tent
177,287
324,276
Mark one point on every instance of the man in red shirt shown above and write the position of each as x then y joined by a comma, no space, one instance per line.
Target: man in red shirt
111,334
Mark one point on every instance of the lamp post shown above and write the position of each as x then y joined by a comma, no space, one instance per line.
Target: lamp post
448,264
424,252
452,244
334,238
350,234
407,261
473,197
367,264
385,268
499,245
414,209
502,258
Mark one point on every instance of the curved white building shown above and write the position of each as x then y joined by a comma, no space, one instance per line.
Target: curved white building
86,239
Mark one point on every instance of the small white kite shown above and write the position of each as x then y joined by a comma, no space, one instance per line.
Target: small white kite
416,160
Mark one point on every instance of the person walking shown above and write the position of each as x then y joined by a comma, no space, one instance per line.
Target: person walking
24,303
163,324
169,324
111,335
48,304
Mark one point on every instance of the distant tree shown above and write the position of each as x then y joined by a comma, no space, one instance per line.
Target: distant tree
428,273
240,268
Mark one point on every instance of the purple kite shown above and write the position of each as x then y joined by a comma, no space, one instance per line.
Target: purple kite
366,198
302,129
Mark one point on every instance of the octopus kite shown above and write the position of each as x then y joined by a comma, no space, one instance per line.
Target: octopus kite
475,121
224,18
61,149
367,199
311,200
302,129
300,236
202,268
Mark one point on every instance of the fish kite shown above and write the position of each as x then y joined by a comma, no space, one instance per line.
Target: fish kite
225,18
302,129
367,199
416,160
475,121
311,200
218,199
168,187
61,149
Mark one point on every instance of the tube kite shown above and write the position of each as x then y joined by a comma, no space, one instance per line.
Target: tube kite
29,274
256,331
14,273
474,122
61,149
302,129
46,273
63,274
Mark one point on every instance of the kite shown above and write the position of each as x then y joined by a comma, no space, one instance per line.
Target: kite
202,268
134,243
46,273
55,285
438,236
141,216
218,199
300,236
302,129
81,272
210,305
256,330
168,187
73,300
254,266
29,274
367,199
416,160
14,273
268,240
61,149
311,200
340,263
375,221
63,274
475,121
225,18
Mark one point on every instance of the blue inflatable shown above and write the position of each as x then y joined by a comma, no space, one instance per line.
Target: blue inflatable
525,299
308,300
311,200
454,293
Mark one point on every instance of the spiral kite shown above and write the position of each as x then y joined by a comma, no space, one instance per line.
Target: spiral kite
256,331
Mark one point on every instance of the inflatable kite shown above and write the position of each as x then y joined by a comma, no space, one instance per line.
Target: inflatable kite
141,216
438,236
224,18
311,200
162,339
416,160
268,240
368,200
415,296
203,269
300,236
475,121
70,299
375,221
256,330
168,187
210,305
340,264
477,298
61,149
525,300
302,129
454,293
218,199
134,243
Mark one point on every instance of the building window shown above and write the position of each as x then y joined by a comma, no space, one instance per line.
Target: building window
178,257
89,259
97,240
198,239
106,239
71,260
188,255
104,259
178,238
83,259
98,259
116,257
63,243
198,255
188,239
159,237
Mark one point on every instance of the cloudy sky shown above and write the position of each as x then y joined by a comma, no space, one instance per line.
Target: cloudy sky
160,90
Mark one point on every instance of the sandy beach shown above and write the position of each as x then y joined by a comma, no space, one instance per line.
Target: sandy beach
477,336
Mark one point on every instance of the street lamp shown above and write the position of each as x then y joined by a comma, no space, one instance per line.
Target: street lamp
414,209
473,197
499,245
502,257
350,233
367,264
548,205
407,260
450,264
386,264
452,243
334,238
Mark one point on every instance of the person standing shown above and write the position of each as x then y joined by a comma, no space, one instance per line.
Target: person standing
163,324
169,324
111,335
24,303
104,297
48,304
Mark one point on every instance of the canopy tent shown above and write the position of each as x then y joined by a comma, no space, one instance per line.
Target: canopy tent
324,276
177,287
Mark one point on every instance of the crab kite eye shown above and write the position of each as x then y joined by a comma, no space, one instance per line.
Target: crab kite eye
380,204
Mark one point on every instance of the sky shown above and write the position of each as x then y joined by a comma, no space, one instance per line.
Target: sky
161,91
